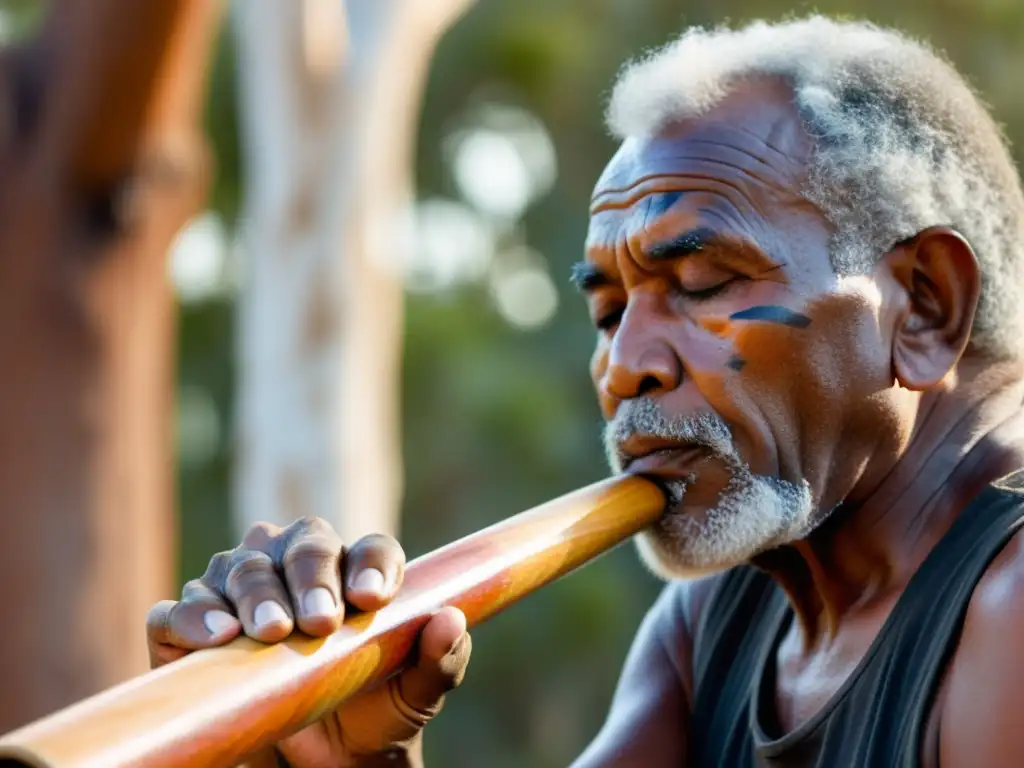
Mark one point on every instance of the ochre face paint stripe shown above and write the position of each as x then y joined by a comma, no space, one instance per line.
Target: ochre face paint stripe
772,313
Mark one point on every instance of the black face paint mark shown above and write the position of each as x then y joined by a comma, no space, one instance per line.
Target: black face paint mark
736,363
772,313
661,203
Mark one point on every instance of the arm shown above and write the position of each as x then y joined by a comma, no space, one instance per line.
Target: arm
981,701
648,724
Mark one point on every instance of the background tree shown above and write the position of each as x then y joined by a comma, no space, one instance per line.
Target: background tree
102,162
330,95
497,414
496,411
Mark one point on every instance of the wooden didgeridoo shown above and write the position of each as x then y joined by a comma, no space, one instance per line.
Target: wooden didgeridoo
215,707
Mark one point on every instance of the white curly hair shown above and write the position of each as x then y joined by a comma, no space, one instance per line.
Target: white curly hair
901,142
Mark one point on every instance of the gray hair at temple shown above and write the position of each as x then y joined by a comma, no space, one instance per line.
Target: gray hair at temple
901,142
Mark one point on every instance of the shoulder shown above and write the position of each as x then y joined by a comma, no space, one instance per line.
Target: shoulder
675,620
983,694
648,721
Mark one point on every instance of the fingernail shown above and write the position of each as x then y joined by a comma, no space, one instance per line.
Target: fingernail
268,612
369,580
219,622
319,602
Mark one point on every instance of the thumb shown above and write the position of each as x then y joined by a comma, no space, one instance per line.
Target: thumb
444,652
392,715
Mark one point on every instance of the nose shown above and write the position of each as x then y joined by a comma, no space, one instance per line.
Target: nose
640,361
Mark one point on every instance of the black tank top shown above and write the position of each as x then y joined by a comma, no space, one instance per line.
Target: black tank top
878,716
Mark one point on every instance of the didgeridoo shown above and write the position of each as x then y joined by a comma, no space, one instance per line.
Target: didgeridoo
215,707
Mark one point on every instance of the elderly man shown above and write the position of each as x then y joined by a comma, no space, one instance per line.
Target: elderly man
805,269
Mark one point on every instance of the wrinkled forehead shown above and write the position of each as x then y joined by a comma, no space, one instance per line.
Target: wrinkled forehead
755,131
739,170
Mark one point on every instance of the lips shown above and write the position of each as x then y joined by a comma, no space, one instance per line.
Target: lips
662,459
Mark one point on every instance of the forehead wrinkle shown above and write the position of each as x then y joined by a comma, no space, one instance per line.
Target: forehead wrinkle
601,233
738,135
718,143
693,172
709,182
787,157
751,237
633,233
783,174
633,187
650,211
728,136
731,190
708,179
785,126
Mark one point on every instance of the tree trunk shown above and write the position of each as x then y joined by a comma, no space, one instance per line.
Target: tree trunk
102,163
330,103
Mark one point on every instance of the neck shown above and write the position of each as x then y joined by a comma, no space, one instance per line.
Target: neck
966,435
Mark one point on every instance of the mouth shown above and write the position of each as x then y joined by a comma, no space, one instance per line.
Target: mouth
661,458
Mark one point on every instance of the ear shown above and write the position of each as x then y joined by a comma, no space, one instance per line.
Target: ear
939,275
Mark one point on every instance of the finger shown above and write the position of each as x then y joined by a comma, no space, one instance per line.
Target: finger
311,559
374,569
260,600
444,651
159,655
202,619
394,713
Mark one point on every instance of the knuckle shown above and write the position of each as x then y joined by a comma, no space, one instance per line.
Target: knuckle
416,711
259,534
198,593
218,568
309,526
308,549
158,616
314,524
193,589
246,566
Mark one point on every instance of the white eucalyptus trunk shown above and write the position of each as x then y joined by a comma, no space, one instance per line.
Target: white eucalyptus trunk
330,98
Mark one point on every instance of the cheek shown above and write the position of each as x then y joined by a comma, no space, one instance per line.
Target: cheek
811,383
775,378
598,368
788,379
717,370
726,393
839,353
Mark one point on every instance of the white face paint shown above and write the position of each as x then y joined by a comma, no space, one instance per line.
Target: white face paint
754,513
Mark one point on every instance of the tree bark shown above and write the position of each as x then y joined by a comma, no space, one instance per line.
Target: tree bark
330,103
102,163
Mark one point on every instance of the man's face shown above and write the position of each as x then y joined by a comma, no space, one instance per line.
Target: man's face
731,361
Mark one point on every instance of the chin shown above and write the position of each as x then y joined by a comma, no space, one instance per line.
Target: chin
753,514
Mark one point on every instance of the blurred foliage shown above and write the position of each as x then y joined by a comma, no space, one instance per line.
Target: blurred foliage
496,419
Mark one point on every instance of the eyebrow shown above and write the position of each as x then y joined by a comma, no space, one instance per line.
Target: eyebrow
686,244
586,276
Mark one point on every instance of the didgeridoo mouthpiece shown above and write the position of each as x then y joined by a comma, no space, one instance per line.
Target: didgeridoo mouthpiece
215,707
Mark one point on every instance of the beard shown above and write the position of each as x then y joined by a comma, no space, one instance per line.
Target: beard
753,513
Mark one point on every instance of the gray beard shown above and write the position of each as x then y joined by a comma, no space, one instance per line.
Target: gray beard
754,513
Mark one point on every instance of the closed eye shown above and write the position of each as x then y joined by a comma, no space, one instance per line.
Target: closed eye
704,294
609,320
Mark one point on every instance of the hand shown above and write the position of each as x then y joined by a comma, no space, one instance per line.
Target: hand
280,578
